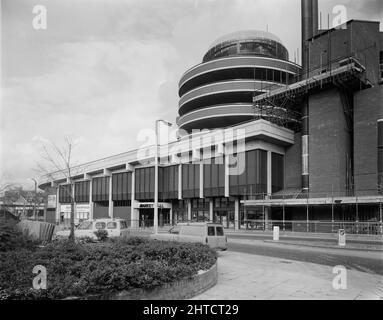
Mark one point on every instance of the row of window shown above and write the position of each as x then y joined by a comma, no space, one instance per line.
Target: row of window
261,47
248,175
258,74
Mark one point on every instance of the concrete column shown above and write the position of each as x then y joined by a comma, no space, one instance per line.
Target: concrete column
134,213
58,205
180,182
227,186
110,211
236,214
189,209
269,174
88,177
171,217
211,210
201,180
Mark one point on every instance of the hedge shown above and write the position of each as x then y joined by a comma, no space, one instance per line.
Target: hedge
78,269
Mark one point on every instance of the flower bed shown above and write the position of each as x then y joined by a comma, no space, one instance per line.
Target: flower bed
97,268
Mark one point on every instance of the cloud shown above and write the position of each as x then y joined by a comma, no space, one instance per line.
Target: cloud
104,70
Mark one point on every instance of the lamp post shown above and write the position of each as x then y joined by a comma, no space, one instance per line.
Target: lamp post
155,222
34,199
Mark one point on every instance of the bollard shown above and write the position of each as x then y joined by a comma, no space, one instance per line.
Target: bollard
276,233
341,237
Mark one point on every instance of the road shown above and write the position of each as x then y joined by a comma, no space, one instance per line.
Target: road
371,262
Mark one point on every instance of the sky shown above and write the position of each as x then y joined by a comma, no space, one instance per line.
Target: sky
104,70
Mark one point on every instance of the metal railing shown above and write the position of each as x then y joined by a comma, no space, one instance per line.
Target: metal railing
363,228
300,194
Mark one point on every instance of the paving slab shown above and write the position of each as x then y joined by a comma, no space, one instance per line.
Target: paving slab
252,277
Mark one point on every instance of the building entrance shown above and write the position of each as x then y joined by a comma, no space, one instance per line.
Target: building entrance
146,217
224,212
226,218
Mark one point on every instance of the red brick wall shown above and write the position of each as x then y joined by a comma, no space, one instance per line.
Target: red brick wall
368,108
329,143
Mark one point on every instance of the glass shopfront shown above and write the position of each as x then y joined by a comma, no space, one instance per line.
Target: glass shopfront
180,211
146,217
224,212
200,210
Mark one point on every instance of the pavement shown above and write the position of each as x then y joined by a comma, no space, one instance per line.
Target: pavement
243,276
369,261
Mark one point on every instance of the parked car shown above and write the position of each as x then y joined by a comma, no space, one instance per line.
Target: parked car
87,228
211,234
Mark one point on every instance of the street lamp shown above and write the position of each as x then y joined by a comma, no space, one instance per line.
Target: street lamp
156,175
34,199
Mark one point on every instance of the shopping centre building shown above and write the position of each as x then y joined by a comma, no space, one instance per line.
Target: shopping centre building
260,138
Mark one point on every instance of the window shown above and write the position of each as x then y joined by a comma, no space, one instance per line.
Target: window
86,225
219,231
123,225
210,231
100,225
112,225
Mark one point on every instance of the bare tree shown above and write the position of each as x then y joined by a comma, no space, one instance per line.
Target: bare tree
59,163
6,195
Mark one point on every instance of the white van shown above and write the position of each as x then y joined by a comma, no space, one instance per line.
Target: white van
87,228
211,234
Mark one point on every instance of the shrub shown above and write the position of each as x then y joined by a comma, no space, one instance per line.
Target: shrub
102,235
77,269
85,240
11,238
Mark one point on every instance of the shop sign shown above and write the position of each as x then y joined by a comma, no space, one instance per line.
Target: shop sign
51,201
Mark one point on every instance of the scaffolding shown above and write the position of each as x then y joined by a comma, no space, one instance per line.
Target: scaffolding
308,200
281,105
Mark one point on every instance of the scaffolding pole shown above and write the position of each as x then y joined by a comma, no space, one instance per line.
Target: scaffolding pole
307,212
283,213
357,214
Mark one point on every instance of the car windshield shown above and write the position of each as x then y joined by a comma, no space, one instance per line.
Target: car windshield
112,225
85,225
100,225
219,231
